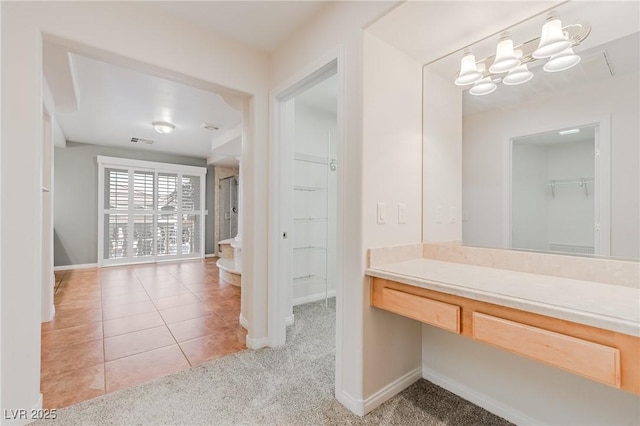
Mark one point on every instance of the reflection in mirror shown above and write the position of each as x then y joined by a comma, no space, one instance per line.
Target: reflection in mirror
509,199
553,191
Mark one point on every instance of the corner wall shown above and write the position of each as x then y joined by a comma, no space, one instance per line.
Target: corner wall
339,26
392,152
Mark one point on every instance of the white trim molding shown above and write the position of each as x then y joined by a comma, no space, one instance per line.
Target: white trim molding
260,343
243,322
484,401
290,320
364,406
311,298
78,266
391,390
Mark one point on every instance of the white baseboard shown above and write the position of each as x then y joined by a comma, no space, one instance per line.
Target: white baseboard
352,404
312,298
22,416
260,343
243,322
80,266
289,320
488,403
392,389
361,407
211,255
51,313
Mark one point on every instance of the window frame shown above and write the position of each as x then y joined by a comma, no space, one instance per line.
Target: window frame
156,168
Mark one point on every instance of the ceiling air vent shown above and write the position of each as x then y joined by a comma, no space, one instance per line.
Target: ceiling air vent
147,141
209,126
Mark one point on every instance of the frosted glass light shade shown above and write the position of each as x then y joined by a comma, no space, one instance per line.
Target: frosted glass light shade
562,61
163,127
483,87
518,75
552,39
505,57
469,72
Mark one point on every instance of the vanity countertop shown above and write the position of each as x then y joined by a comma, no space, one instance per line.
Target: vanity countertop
606,306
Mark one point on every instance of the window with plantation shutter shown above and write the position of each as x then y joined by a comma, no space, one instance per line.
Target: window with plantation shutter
149,211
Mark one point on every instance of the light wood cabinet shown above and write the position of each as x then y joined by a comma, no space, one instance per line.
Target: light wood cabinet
602,355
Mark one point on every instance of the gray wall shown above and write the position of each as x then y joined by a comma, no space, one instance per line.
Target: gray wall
76,198
209,243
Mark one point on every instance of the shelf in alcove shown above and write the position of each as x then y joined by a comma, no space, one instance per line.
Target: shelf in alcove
309,188
298,156
310,219
309,278
302,251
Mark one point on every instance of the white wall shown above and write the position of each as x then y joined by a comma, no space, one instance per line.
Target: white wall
522,391
441,159
340,25
571,212
485,159
529,177
392,136
131,31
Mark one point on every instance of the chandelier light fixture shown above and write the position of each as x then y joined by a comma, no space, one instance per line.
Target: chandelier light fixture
509,65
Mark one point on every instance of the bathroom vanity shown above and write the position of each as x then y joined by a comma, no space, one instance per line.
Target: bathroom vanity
587,328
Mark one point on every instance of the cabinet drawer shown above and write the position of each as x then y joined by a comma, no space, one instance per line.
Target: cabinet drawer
592,360
440,314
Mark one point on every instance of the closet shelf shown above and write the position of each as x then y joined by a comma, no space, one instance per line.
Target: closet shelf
302,251
310,219
309,188
309,278
298,156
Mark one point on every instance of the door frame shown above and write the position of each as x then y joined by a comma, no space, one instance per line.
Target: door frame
602,179
280,253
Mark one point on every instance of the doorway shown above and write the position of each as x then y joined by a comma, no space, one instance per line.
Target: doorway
228,207
557,192
305,220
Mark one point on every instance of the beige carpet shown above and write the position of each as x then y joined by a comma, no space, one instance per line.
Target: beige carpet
291,385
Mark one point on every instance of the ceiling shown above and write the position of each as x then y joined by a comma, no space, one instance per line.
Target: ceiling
261,24
586,133
116,104
104,104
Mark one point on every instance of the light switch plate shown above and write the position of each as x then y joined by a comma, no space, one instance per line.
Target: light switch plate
381,214
402,213
439,214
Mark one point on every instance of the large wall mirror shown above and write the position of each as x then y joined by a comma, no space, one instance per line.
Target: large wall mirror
550,150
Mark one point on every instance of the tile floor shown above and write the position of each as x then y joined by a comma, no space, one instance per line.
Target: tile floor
121,326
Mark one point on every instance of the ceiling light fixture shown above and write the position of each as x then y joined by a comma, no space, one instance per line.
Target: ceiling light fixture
562,61
552,40
505,55
163,127
519,74
555,42
483,86
469,72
